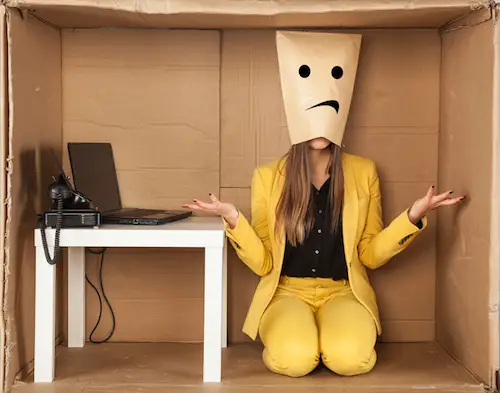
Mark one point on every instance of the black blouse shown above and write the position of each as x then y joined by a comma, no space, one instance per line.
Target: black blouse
322,253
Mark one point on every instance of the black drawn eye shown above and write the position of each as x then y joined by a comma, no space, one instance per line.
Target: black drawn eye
337,72
304,71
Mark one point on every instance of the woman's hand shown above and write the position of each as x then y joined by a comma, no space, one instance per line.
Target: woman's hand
430,202
226,210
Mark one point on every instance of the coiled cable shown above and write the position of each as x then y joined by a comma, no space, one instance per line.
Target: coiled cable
41,224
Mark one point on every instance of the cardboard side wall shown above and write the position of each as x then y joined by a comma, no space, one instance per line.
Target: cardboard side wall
34,55
465,160
494,341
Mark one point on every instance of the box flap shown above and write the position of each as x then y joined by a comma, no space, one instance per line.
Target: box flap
246,13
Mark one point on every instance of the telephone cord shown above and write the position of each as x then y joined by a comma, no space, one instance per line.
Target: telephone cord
53,261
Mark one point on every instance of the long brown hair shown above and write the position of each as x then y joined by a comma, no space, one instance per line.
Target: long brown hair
295,210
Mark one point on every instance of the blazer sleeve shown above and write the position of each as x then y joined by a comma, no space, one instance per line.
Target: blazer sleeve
251,240
378,244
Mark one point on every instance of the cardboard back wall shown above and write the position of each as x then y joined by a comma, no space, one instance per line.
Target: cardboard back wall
155,96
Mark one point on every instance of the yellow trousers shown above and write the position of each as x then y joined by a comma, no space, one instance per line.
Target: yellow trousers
310,319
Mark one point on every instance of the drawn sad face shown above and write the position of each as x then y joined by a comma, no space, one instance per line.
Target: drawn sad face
317,72
337,73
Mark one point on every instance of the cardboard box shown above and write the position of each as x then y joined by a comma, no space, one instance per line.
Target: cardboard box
188,94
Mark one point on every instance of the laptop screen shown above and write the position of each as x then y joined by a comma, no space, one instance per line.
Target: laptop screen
94,174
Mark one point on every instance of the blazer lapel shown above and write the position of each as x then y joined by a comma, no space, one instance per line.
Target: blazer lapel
279,239
350,211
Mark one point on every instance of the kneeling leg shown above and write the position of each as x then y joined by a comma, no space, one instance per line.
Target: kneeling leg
347,335
289,333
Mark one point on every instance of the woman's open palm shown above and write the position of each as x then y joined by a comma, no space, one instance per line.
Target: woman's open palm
223,209
432,201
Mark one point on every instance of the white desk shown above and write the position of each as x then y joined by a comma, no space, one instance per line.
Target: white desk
194,232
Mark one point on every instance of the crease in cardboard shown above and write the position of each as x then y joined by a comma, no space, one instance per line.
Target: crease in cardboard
133,127
29,367
475,9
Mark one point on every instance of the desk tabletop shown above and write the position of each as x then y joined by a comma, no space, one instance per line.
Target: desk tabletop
193,231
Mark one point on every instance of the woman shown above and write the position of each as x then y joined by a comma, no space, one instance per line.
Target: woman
316,227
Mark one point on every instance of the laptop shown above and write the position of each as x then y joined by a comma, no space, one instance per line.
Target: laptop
94,175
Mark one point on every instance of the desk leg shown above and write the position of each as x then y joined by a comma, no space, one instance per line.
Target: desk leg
224,297
76,297
45,317
212,341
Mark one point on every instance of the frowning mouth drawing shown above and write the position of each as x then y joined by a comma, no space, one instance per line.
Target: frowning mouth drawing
331,103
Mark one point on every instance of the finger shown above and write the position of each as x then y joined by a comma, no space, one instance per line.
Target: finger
205,205
197,204
450,201
191,206
430,191
213,198
442,197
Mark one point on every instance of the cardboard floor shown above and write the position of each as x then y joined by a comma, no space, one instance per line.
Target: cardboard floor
123,368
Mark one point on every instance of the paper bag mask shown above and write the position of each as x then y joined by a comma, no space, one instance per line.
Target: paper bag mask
317,72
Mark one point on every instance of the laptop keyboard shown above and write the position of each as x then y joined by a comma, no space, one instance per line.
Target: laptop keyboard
142,212
135,213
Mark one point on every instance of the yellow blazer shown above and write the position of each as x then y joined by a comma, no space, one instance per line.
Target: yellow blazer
367,244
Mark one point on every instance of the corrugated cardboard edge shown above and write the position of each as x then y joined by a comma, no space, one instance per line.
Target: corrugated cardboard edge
3,180
495,213
8,197
245,7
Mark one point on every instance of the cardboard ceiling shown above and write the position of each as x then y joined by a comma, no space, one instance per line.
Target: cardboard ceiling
246,13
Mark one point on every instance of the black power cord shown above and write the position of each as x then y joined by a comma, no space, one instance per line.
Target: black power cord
101,253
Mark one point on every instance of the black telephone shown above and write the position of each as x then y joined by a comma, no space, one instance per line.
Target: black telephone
69,208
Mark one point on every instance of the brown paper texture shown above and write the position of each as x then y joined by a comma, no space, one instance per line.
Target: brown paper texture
317,73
